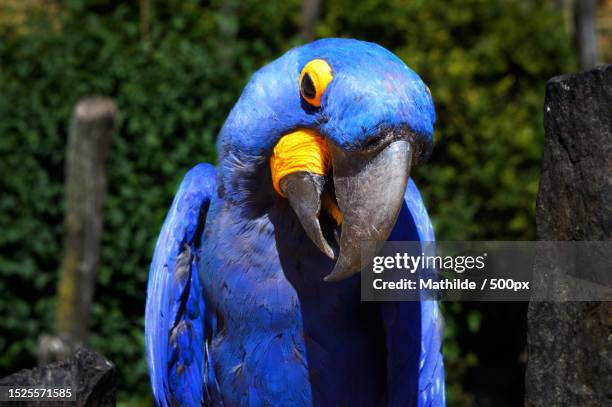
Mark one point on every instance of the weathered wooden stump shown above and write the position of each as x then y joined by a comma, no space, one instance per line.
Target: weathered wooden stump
570,343
89,139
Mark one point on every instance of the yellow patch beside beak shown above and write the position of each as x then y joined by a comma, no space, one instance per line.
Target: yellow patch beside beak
302,150
331,207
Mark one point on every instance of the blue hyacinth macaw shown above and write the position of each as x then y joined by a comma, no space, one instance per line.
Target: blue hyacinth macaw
253,297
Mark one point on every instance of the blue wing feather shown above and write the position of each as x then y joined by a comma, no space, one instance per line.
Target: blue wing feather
176,319
414,329
431,366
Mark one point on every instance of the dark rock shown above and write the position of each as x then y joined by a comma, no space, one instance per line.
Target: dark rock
90,376
570,343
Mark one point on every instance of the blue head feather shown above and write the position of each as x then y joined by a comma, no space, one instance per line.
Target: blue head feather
372,90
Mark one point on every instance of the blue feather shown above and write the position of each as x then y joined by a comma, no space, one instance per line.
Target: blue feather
175,311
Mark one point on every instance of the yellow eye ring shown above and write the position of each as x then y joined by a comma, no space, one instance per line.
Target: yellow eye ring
315,77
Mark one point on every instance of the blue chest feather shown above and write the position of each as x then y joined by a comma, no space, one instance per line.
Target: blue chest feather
238,313
285,335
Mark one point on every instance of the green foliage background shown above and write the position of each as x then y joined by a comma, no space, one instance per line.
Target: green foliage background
486,63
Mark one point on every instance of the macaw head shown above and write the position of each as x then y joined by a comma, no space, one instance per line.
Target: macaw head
333,127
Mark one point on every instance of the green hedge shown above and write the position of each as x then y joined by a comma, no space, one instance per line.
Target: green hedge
485,62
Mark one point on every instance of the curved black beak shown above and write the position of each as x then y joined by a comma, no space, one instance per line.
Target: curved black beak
303,190
369,189
370,193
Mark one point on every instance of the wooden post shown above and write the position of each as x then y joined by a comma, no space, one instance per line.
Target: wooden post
228,27
585,31
310,13
145,19
569,343
89,138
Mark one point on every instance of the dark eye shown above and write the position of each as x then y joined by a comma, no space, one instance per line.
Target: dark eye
308,87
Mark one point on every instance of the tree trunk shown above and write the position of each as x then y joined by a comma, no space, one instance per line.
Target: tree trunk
228,27
89,139
145,19
310,14
585,31
570,343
